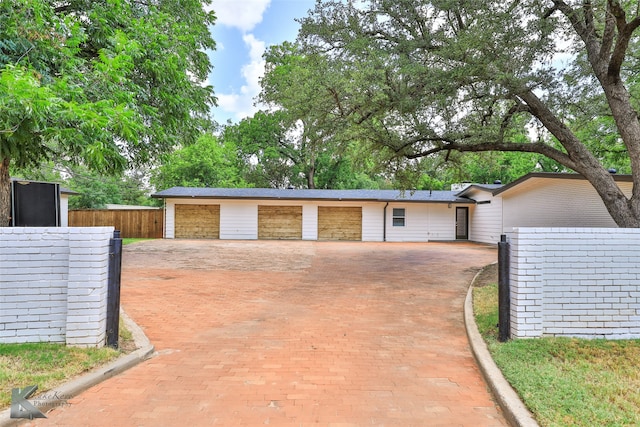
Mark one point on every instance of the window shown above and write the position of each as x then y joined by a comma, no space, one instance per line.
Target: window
398,217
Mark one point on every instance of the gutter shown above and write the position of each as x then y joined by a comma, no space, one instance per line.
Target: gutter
384,223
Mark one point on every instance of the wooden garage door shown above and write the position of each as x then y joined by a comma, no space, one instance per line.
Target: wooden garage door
279,222
197,221
339,223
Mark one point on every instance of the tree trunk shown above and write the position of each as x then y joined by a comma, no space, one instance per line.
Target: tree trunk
310,178
5,193
625,212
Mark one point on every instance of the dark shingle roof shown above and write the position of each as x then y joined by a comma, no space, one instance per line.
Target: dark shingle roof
482,187
302,194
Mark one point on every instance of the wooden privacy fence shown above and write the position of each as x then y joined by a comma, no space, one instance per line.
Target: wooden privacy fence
141,223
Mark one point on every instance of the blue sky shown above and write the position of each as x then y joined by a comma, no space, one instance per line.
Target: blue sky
243,30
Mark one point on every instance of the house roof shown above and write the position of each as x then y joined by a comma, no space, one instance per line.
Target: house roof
435,196
553,175
496,189
482,187
303,194
68,191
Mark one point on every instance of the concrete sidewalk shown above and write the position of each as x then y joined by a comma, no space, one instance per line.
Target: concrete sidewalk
293,334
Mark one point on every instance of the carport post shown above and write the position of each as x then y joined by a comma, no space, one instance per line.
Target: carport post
504,299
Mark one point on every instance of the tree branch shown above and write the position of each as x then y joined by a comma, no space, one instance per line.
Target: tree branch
549,12
588,16
518,107
586,33
625,31
579,158
537,147
608,35
573,16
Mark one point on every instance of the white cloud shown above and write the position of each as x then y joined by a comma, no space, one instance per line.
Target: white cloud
241,104
244,15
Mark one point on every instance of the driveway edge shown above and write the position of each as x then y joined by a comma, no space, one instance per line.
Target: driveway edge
515,412
61,394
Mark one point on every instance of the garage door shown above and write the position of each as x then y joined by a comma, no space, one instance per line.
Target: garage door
197,221
339,223
279,222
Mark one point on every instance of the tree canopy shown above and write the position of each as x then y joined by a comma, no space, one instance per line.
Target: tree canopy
207,163
102,83
276,151
548,77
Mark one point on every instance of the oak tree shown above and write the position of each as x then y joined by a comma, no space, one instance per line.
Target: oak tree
436,76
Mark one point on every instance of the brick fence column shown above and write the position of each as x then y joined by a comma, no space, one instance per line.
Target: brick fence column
527,255
87,289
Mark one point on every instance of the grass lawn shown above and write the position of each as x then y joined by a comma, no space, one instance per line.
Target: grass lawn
129,240
563,381
49,365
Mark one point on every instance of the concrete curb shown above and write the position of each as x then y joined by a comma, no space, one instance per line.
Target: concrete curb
514,410
59,395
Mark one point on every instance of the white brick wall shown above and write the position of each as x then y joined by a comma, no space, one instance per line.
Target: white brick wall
53,284
578,282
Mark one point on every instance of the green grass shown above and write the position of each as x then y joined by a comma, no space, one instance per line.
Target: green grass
45,365
563,381
49,365
129,240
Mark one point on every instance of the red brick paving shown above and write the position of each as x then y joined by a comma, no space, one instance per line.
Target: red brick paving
295,334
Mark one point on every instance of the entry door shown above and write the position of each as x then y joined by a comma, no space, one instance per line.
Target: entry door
462,223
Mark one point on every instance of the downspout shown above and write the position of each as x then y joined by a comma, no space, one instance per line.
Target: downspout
384,223
164,219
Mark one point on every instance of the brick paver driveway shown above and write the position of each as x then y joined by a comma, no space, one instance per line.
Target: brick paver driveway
295,333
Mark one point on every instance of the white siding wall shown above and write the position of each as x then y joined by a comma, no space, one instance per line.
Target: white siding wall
543,202
169,219
239,220
485,222
309,222
64,210
416,224
442,221
372,219
423,222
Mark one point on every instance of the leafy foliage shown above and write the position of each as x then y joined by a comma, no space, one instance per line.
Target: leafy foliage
276,154
95,190
106,83
207,163
271,158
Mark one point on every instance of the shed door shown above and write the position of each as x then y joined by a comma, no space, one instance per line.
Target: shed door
197,221
279,222
339,223
462,223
